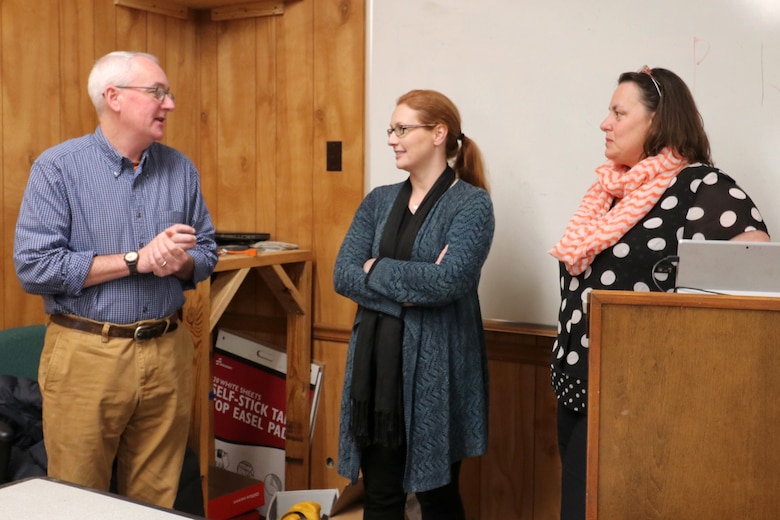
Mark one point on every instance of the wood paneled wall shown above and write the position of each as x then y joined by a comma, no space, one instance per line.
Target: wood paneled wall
256,101
519,477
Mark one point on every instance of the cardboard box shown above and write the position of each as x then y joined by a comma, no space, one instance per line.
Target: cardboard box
349,505
233,496
282,501
346,505
249,387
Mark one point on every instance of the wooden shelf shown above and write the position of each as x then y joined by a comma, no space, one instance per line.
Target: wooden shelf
220,9
288,276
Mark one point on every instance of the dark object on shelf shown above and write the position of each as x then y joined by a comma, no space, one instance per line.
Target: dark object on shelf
240,238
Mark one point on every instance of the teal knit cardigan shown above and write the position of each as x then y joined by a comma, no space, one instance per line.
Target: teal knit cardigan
445,376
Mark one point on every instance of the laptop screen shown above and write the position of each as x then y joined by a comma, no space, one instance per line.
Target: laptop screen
728,267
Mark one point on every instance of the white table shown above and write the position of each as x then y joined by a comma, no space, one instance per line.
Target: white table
43,498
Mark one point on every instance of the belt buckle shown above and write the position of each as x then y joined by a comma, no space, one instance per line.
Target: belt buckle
144,332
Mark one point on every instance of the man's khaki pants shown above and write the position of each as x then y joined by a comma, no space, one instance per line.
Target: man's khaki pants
107,398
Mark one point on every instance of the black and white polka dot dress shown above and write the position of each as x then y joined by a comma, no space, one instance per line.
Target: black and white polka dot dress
701,203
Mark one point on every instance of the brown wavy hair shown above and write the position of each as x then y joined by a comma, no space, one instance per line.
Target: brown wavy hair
435,108
677,122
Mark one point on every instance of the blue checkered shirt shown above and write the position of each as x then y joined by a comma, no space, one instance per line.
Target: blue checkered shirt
84,199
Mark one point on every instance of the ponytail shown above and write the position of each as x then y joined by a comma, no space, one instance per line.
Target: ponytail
469,164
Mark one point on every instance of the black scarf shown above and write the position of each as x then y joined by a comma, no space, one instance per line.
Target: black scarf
376,395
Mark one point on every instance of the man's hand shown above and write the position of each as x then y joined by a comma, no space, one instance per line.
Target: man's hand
167,254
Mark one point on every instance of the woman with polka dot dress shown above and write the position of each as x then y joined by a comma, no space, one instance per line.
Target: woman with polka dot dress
657,187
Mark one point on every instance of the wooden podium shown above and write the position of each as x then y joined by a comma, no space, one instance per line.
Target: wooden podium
684,406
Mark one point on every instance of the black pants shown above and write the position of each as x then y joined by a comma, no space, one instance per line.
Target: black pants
385,499
572,444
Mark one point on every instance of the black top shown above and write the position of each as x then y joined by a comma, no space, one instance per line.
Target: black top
701,203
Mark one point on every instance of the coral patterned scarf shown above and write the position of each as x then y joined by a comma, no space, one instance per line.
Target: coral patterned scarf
595,227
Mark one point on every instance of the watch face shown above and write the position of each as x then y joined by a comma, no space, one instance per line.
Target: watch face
131,256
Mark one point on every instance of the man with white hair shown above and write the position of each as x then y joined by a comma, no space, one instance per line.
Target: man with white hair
112,230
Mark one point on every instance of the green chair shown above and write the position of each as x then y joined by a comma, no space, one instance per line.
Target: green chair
20,350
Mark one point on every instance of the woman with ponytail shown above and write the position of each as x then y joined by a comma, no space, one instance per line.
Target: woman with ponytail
415,400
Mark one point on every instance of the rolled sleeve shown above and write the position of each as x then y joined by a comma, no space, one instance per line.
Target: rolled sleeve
83,199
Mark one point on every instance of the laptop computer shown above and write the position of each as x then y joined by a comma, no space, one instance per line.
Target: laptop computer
728,267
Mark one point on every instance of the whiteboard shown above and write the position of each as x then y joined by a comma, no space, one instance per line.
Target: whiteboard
532,81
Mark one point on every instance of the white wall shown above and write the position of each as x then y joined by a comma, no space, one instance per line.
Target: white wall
532,81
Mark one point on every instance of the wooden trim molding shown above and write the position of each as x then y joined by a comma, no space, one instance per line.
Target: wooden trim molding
519,342
172,9
247,10
331,333
506,341
511,327
220,9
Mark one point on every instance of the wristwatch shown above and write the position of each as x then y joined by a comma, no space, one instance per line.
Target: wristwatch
131,259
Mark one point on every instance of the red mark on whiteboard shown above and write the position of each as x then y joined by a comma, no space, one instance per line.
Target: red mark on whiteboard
701,48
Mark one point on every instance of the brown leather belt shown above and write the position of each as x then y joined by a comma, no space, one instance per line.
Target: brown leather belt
144,332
